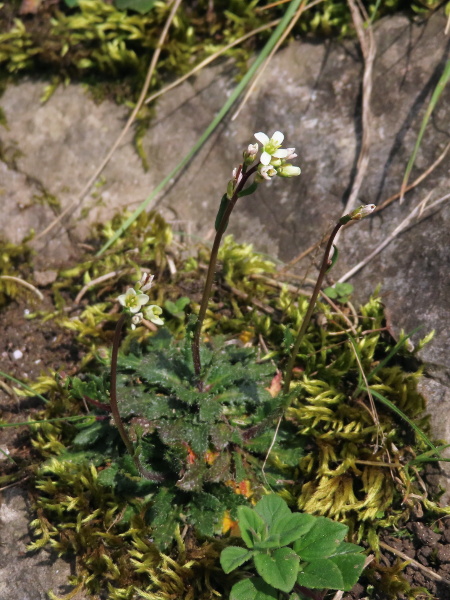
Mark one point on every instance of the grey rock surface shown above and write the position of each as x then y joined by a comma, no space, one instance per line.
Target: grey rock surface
24,575
312,93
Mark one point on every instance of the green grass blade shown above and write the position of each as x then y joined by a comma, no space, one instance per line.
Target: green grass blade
212,126
394,351
74,418
24,385
443,80
426,456
402,415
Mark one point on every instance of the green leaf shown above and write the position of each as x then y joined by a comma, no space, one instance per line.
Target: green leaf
331,292
279,568
90,434
321,540
350,565
251,526
140,6
344,289
205,511
253,589
333,258
292,527
248,190
233,557
272,508
272,541
321,573
222,208
163,517
177,308
347,548
210,409
194,477
107,476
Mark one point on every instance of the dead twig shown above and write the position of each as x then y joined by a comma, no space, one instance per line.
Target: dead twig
210,59
417,211
414,562
29,286
368,49
303,6
93,283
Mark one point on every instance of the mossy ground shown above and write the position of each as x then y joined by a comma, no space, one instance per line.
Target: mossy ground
349,467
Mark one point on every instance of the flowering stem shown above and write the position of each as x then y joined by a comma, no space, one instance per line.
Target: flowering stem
355,215
115,409
211,270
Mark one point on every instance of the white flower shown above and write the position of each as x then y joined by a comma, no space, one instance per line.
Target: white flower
266,172
271,146
152,313
133,301
290,154
136,320
252,150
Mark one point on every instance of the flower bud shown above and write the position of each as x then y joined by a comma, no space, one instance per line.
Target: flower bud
288,171
250,154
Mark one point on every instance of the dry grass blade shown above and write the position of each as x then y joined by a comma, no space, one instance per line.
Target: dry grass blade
417,211
210,59
416,182
368,49
92,283
124,131
380,207
286,32
426,570
29,286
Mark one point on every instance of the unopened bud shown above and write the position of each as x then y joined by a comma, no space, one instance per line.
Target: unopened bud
288,171
359,213
250,154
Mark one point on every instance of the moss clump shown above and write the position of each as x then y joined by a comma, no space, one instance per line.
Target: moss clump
97,38
335,454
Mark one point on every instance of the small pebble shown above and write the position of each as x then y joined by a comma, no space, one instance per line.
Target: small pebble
17,354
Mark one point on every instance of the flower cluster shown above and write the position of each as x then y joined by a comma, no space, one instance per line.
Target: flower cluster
135,298
274,159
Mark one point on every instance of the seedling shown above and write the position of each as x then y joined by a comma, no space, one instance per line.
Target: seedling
340,292
291,552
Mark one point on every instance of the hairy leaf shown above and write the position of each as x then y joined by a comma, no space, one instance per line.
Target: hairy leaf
279,568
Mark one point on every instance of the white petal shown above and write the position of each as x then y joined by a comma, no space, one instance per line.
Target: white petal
262,137
280,153
278,137
265,158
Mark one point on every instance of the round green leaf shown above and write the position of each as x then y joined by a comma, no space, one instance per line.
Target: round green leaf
322,573
350,566
321,540
253,589
272,508
279,568
233,557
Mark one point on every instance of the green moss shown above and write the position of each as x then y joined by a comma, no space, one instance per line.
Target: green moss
98,38
330,457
